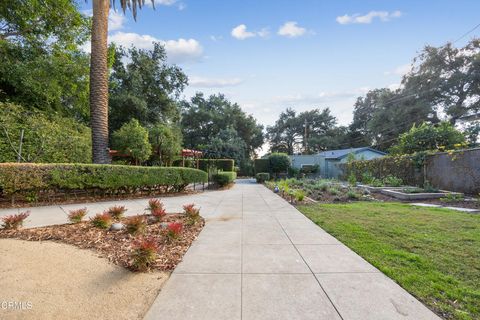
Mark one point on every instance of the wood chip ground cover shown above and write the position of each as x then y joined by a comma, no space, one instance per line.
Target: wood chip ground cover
116,246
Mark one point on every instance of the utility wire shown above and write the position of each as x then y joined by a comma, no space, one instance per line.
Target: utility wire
466,33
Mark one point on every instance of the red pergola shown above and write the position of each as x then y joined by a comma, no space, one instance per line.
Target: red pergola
192,154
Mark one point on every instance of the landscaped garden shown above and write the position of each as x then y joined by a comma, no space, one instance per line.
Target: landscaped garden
140,242
432,253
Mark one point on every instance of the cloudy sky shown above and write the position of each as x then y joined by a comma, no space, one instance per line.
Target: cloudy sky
268,55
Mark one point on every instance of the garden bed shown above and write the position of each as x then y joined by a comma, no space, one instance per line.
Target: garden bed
117,246
416,194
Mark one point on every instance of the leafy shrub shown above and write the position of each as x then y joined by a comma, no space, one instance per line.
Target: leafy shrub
333,191
376,183
220,164
21,178
262,165
156,209
262,177
367,177
132,139
352,195
279,162
192,213
144,253
117,212
224,178
392,181
352,180
323,186
77,215
136,224
451,197
174,229
299,195
154,204
102,220
14,221
427,187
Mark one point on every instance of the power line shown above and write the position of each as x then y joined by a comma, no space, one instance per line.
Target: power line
466,33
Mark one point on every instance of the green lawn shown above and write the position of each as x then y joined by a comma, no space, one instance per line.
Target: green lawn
432,253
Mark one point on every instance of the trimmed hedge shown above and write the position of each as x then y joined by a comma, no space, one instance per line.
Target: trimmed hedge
17,178
262,165
203,164
262,177
404,167
224,178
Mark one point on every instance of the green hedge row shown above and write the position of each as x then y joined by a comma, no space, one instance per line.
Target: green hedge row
224,178
262,165
204,164
23,178
262,177
404,167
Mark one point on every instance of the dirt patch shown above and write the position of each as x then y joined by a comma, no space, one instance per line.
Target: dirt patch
116,246
64,282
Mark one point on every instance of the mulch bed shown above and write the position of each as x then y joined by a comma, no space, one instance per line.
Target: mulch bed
116,246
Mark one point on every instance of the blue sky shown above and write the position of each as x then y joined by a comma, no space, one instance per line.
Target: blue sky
268,55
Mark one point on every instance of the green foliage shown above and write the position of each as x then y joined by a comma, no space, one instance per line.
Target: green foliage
136,225
144,253
42,66
261,177
166,142
352,195
223,178
47,138
76,216
392,181
452,197
429,137
132,139
288,133
279,162
262,165
226,144
21,178
402,167
204,118
217,164
299,195
333,191
352,180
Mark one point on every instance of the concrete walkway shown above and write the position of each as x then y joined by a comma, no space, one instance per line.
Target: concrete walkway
260,258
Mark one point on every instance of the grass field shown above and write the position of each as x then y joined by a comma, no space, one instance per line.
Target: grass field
432,253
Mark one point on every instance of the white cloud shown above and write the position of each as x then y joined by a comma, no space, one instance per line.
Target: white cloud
178,51
369,17
116,20
240,32
202,82
291,29
400,70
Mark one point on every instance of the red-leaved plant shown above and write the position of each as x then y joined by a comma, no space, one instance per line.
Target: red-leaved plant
75,216
102,220
117,211
136,224
154,204
144,253
174,229
15,221
159,213
192,213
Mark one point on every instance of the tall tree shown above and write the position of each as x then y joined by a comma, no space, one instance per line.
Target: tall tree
204,118
448,78
308,132
99,75
42,66
143,86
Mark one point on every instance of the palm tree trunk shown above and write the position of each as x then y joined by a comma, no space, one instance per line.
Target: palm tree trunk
99,82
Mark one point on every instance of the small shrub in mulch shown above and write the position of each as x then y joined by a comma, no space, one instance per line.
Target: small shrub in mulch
157,209
192,213
120,247
14,221
117,212
144,253
136,225
75,216
102,220
173,230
